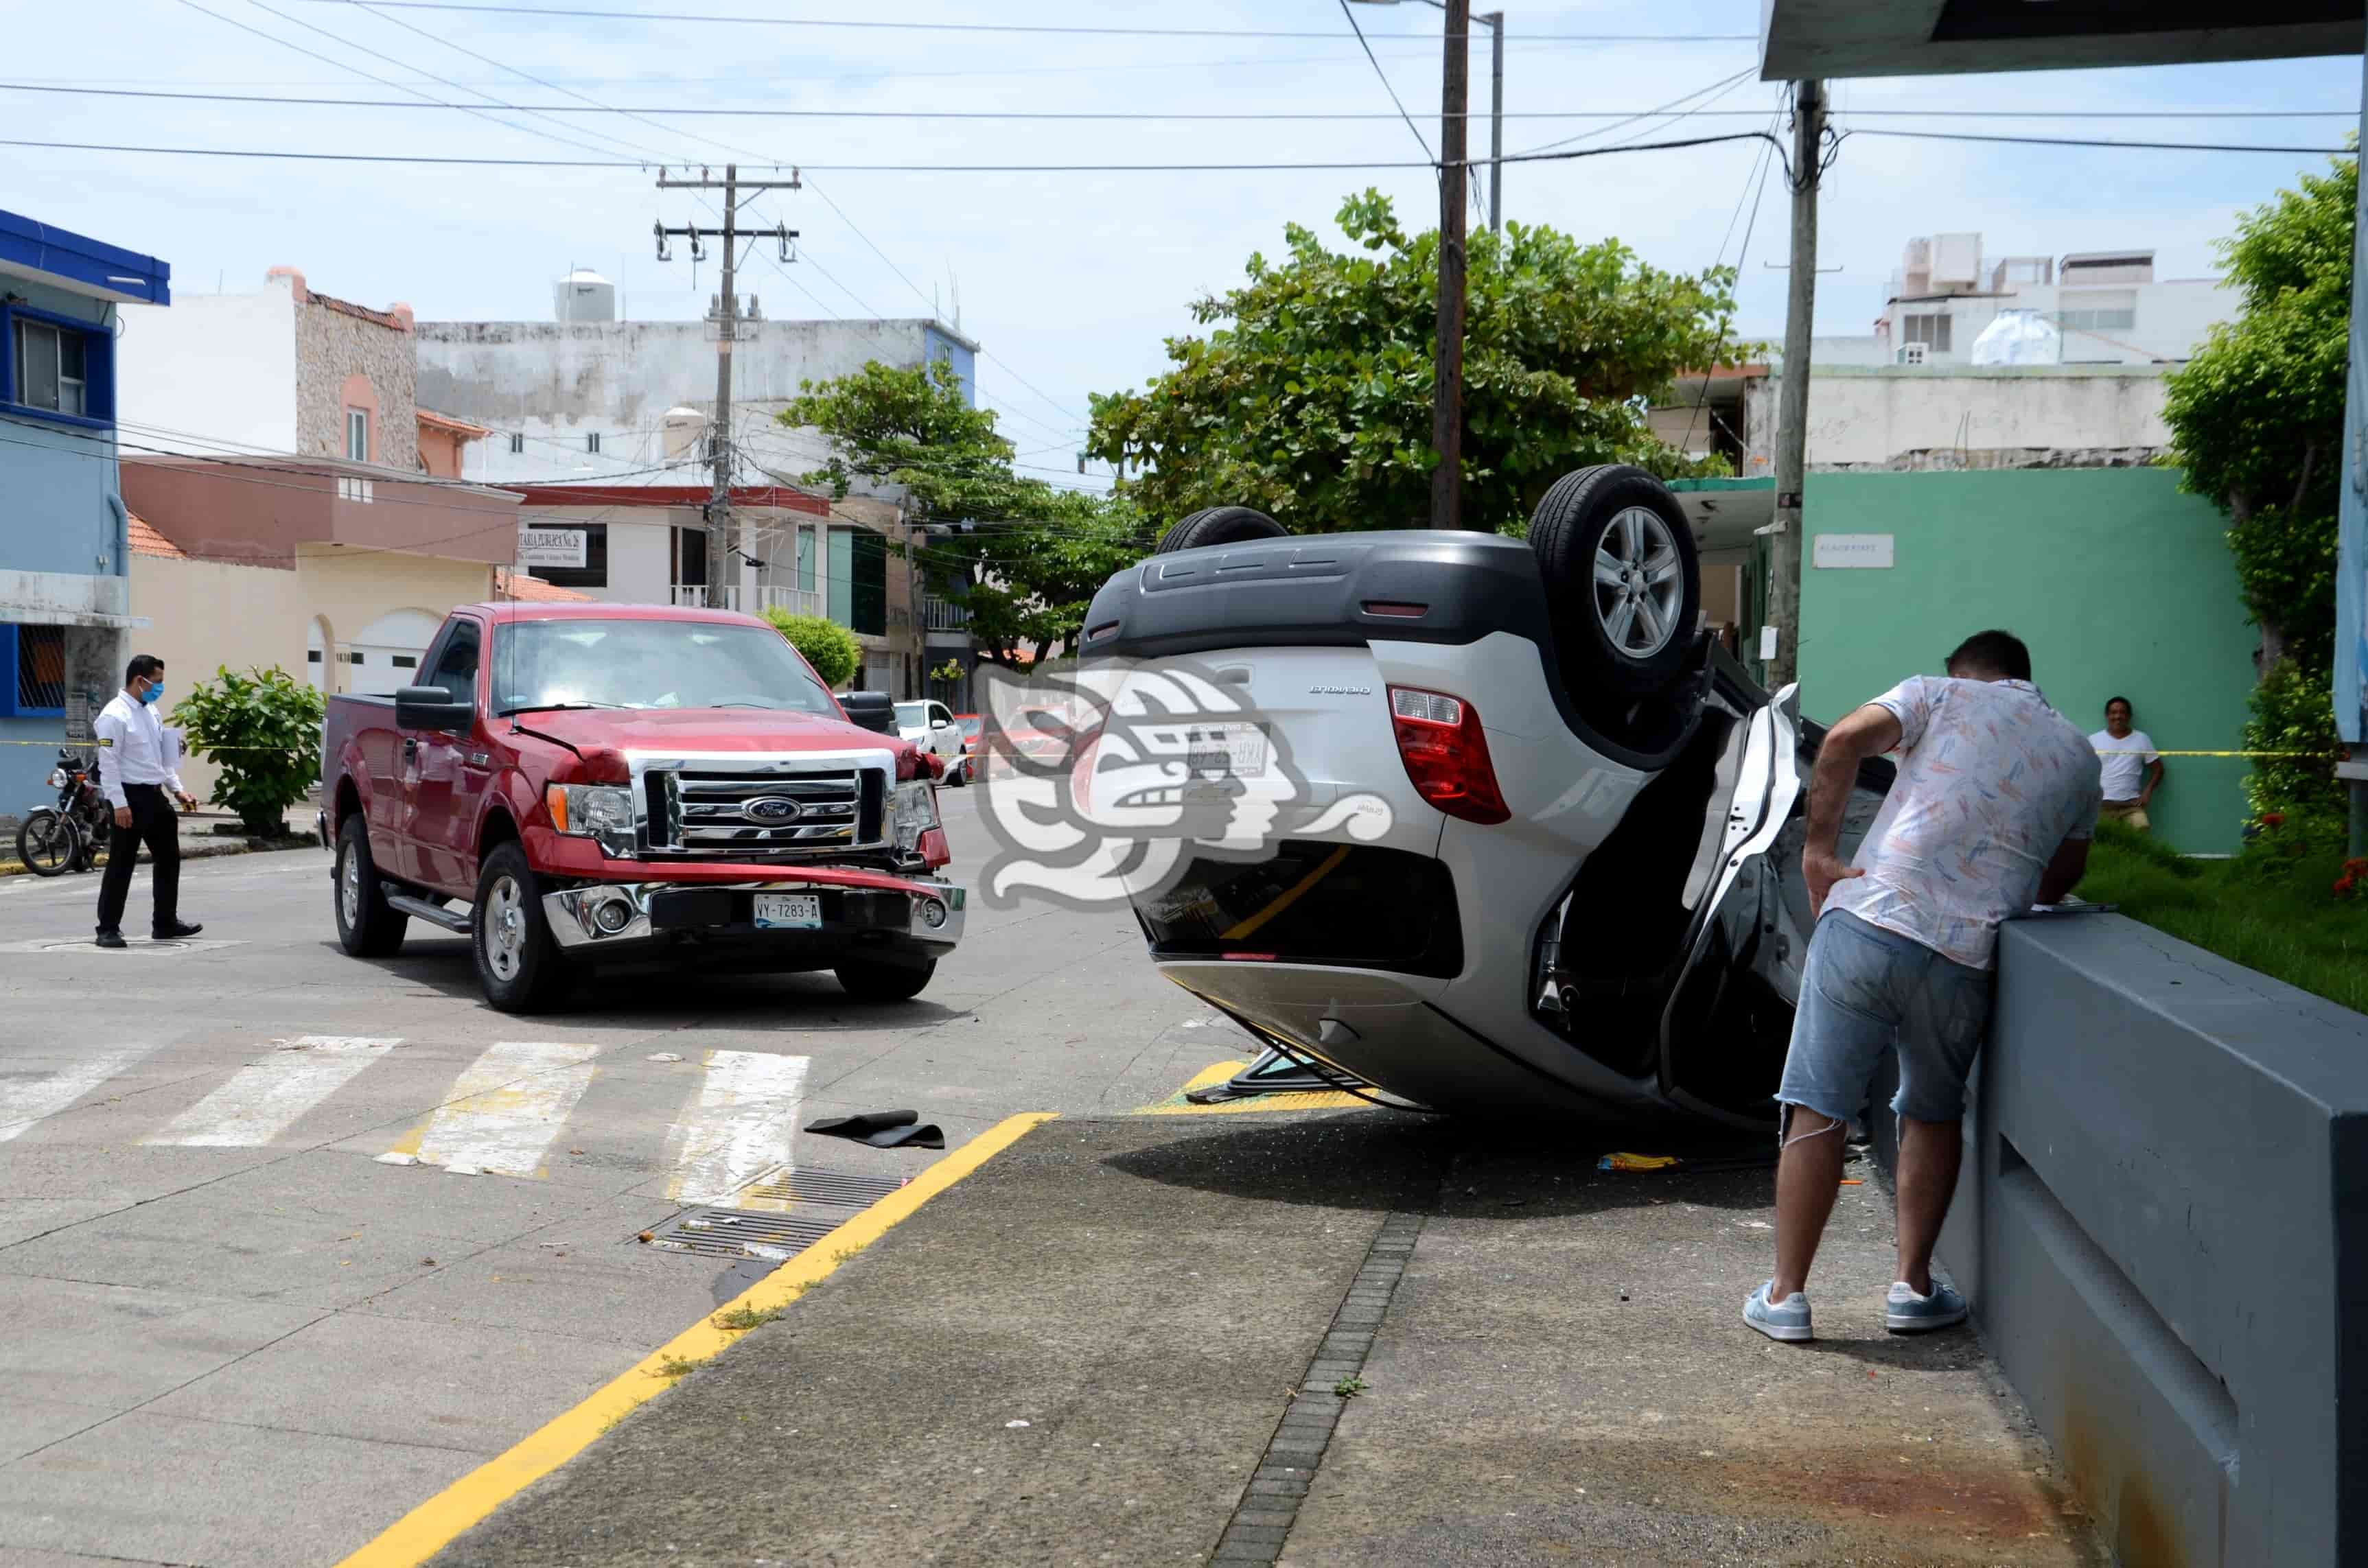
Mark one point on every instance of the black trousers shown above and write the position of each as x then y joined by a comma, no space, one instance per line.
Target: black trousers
155,824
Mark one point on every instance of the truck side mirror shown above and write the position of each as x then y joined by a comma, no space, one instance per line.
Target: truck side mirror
431,707
873,711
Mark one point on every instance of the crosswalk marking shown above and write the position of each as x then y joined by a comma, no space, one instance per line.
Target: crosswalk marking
25,1099
263,1099
505,1108
739,1128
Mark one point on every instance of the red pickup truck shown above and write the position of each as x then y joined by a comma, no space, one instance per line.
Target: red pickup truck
573,784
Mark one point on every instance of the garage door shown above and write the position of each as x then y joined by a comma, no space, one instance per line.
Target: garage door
386,653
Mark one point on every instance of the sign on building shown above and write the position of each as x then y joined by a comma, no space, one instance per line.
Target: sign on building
550,547
1852,550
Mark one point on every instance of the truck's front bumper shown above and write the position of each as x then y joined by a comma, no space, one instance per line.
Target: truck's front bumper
919,917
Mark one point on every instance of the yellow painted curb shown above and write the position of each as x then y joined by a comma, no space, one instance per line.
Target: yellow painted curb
427,1528
1217,1072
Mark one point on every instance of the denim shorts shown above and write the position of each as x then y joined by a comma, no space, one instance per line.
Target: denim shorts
1865,990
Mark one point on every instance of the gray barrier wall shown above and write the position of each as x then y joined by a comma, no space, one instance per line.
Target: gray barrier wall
2163,1229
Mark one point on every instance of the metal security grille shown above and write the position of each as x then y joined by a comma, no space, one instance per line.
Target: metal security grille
41,668
774,1217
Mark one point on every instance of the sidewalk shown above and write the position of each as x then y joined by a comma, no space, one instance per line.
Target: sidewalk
1119,1341
198,839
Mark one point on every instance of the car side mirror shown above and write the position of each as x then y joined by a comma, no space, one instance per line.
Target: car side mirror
431,707
873,711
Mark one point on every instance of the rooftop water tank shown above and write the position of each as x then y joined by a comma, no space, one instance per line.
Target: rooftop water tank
584,295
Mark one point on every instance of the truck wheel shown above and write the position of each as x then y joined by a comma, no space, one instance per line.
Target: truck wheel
870,980
1621,577
517,962
1219,524
366,927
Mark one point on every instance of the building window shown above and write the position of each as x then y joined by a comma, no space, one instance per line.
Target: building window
52,368
2099,310
592,442
1930,329
357,435
518,443
32,672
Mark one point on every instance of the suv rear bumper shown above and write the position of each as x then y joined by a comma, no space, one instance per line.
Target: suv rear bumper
917,917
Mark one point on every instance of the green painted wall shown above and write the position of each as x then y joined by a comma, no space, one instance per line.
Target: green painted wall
841,568
2121,586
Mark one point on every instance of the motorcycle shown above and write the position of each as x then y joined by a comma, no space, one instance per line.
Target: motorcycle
69,835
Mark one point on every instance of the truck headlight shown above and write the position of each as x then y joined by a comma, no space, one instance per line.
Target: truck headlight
592,811
915,812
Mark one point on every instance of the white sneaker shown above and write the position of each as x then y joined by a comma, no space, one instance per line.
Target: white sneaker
1905,1312
1787,1320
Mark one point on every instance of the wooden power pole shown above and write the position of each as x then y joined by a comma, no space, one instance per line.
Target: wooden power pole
1447,395
1785,544
723,536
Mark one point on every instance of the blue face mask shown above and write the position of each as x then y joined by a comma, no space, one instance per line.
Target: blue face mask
155,689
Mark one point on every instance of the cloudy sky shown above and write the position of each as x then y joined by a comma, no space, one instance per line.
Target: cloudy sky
1070,280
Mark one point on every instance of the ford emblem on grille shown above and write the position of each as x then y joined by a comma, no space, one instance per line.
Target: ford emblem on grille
770,808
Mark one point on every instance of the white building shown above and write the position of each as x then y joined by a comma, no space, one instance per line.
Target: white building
2108,306
601,407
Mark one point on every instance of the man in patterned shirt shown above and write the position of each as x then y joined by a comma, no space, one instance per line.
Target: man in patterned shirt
1995,803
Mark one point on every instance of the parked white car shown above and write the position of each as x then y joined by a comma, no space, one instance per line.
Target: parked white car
931,725
1587,891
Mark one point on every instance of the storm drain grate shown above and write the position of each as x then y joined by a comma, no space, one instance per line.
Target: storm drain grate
743,1233
821,1187
774,1217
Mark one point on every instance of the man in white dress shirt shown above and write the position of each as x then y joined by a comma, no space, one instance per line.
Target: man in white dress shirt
133,773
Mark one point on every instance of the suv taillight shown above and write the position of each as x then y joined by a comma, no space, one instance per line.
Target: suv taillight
1445,754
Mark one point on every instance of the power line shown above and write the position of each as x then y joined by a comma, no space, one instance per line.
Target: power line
640,112
1354,26
1039,30
1308,167
384,82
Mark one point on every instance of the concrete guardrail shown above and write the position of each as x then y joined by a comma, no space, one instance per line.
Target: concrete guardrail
2163,1226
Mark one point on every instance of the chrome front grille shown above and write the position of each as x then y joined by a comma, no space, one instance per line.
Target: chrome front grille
743,808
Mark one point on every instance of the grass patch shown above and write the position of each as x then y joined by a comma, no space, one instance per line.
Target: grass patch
738,1320
2285,920
673,1367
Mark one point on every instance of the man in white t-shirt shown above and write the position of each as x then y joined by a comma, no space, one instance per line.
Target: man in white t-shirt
2133,768
1993,808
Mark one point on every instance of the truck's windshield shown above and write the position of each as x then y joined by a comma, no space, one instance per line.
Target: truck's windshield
649,664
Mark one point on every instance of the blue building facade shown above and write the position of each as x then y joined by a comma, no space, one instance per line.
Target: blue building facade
65,620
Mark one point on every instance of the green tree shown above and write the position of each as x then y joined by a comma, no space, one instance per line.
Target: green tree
1311,397
2257,424
262,732
1022,556
829,647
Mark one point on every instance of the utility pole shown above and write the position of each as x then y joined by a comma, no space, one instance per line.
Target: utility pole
1784,548
1496,20
723,534
1447,396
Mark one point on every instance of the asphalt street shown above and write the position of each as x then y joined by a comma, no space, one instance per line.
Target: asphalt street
288,1240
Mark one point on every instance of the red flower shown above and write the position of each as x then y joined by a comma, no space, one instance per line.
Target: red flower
2273,818
2343,886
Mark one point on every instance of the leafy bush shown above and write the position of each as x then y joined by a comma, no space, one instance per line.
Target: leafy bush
2282,842
262,731
2293,720
829,647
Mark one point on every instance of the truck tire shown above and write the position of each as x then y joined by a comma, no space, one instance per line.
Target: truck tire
1622,582
1219,524
872,980
367,928
517,962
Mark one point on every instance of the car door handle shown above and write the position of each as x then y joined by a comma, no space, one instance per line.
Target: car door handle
410,749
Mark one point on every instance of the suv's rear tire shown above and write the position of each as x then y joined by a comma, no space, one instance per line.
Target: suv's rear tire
517,959
873,980
1219,524
1623,582
367,928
